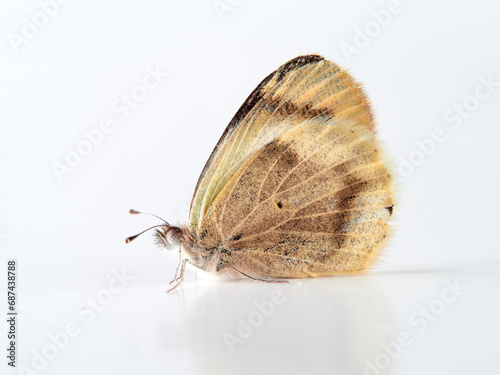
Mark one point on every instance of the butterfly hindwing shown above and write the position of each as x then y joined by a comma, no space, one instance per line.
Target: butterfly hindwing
315,200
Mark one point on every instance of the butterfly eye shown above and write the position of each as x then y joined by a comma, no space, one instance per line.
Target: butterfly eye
172,237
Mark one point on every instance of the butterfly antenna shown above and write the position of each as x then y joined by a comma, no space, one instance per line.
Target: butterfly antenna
131,238
134,212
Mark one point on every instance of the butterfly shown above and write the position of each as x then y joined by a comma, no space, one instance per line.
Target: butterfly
297,186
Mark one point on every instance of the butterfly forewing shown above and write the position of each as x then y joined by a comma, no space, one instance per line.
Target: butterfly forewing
303,88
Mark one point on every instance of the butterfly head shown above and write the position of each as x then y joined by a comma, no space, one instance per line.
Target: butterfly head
167,235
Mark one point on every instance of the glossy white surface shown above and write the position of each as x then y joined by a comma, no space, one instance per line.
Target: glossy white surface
429,321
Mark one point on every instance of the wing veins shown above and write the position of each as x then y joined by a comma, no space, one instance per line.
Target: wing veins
301,182
260,104
293,218
312,128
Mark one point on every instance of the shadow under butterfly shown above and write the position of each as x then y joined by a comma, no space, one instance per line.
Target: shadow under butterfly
335,326
297,185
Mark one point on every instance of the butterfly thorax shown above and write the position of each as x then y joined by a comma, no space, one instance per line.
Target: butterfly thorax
208,258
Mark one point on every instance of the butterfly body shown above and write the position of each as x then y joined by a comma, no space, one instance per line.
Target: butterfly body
297,186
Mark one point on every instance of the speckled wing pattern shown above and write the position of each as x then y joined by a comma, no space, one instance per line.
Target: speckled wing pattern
302,88
296,186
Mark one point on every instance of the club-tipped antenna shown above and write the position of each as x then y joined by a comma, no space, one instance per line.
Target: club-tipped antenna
131,238
135,212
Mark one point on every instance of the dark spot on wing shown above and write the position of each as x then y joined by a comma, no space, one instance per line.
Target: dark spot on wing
390,208
236,238
292,250
286,108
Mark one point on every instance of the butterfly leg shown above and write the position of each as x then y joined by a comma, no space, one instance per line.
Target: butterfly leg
181,275
263,280
177,269
180,257
180,278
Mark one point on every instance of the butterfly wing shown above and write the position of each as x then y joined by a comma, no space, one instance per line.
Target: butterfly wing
315,200
304,87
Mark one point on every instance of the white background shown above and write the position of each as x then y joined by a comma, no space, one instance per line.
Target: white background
67,234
